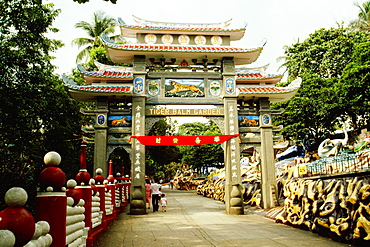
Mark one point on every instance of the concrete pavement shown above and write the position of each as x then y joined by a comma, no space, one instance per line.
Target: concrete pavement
194,220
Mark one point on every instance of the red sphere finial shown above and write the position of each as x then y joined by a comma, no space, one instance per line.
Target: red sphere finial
17,219
99,178
52,178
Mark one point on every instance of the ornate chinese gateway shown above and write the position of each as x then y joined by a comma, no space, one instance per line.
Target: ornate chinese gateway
192,65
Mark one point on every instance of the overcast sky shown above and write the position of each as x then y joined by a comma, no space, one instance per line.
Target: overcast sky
281,22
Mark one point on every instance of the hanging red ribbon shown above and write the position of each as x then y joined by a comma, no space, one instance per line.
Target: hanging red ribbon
183,140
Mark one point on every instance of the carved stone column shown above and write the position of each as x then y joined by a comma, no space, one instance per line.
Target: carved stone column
268,176
233,188
101,133
137,203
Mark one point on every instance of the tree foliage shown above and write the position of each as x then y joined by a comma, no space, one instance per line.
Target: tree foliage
354,88
101,24
157,157
362,23
36,113
203,155
321,61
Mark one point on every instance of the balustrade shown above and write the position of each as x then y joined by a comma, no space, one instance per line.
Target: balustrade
71,217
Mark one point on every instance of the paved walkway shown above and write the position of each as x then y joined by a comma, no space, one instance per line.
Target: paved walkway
194,220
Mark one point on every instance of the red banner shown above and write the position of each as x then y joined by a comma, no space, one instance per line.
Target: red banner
182,140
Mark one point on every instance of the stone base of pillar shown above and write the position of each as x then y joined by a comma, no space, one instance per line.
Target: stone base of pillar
137,211
138,203
268,196
236,210
234,199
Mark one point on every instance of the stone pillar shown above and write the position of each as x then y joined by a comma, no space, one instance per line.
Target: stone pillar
101,133
233,188
268,175
137,199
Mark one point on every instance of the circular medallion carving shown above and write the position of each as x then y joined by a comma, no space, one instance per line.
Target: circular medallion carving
216,40
167,39
184,39
200,40
150,38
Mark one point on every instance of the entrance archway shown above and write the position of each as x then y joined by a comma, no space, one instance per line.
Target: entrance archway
182,64
197,157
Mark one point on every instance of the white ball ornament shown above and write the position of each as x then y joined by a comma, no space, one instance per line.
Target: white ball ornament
38,231
49,239
33,243
71,183
81,203
16,197
52,159
99,171
45,226
7,238
49,189
41,241
70,201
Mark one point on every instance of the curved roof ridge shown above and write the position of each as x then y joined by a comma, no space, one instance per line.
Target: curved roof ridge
251,70
144,22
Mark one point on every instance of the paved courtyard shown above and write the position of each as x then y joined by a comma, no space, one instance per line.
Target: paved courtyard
194,220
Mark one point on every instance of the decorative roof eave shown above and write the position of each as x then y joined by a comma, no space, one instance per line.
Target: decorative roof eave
105,74
91,92
141,21
242,69
257,77
275,94
130,31
124,53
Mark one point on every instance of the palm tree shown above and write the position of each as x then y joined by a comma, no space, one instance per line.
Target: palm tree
363,21
101,24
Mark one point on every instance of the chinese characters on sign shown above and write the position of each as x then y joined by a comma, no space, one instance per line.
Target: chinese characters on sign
138,113
232,112
184,140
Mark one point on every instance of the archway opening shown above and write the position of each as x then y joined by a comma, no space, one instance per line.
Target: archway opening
121,162
196,161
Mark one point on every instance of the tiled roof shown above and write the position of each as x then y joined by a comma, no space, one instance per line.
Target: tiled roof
142,21
194,27
209,29
189,48
256,76
97,88
177,48
106,74
109,74
105,89
292,87
264,90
